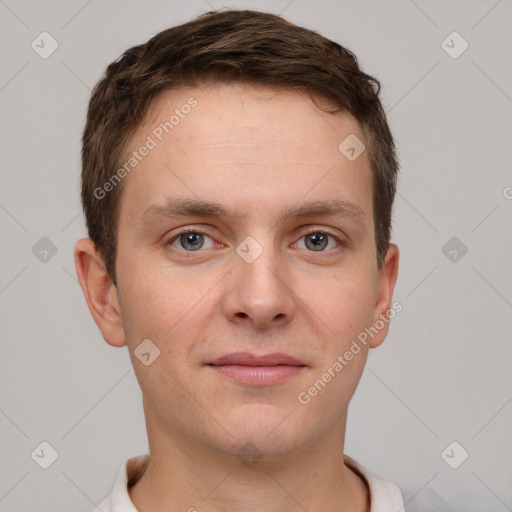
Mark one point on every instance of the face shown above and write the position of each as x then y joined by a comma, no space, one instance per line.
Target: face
246,255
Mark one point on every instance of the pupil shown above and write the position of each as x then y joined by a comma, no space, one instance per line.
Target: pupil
192,241
317,240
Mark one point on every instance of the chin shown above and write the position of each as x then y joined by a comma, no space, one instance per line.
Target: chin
269,431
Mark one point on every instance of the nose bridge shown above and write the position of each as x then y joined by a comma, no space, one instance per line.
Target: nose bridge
257,263
258,260
258,290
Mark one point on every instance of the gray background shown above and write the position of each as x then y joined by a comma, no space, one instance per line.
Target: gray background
443,374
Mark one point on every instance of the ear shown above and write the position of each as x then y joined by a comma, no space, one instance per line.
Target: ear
99,291
386,284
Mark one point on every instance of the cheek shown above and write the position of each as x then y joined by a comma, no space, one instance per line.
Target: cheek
145,309
344,312
165,310
165,313
343,307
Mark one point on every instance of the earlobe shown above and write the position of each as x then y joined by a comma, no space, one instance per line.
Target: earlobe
99,291
383,305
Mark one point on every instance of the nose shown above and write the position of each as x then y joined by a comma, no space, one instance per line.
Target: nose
259,293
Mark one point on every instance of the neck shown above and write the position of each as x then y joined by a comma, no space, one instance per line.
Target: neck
183,476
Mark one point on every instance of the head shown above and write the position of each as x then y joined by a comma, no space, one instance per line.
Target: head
234,128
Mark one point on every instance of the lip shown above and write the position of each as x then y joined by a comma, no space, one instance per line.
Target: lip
257,370
248,359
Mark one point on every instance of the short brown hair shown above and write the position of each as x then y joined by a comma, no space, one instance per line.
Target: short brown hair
227,46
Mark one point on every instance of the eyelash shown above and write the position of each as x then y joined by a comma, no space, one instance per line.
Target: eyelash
200,232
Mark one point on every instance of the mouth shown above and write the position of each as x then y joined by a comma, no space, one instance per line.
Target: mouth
255,370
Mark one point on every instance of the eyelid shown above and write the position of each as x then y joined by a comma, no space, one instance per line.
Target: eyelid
185,231
336,233
309,230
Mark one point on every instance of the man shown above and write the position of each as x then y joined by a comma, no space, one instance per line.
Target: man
238,180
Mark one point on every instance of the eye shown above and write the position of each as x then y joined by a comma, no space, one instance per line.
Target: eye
191,241
318,240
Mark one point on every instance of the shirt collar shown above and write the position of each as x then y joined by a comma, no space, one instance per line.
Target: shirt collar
384,495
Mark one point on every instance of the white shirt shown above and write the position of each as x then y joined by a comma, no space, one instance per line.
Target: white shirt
384,496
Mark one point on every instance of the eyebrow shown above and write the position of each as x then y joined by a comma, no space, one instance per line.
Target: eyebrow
174,208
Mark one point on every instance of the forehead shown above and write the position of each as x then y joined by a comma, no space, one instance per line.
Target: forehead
269,141
200,117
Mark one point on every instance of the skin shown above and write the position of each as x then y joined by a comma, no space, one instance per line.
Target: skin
257,151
